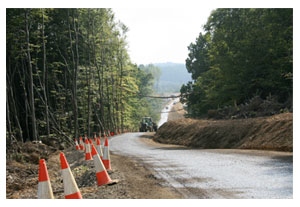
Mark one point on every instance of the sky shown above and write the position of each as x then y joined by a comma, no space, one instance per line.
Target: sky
159,35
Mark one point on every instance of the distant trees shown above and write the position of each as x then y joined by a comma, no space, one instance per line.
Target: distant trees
68,73
243,53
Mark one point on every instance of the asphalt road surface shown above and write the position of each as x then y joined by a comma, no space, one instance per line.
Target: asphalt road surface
198,173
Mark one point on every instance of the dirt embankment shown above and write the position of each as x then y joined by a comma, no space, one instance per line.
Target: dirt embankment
267,133
177,112
134,179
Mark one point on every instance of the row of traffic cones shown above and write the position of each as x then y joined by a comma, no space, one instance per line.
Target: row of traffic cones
71,191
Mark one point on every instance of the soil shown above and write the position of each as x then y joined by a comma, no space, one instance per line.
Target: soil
263,133
177,112
134,180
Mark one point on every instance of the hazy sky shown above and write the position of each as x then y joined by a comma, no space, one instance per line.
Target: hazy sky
162,35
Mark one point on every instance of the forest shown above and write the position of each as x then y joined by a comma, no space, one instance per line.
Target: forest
68,73
243,61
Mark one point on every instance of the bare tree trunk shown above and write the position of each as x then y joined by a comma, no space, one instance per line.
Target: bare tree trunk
121,93
44,78
75,77
88,79
75,65
8,124
31,94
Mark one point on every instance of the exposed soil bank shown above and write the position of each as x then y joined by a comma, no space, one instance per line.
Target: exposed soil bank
266,133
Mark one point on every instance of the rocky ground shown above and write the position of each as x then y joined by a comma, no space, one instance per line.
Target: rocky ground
134,180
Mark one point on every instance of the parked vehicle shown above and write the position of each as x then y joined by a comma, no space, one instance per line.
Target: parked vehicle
148,125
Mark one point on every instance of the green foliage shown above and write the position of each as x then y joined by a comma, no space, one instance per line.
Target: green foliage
107,83
243,52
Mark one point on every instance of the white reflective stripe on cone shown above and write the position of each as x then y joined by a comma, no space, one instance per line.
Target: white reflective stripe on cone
106,153
99,150
70,185
88,149
98,163
45,190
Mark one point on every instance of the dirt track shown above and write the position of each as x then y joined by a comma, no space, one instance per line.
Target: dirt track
135,181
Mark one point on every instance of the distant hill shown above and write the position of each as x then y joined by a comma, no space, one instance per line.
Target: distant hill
173,75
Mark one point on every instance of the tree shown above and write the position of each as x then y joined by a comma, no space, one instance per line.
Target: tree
244,52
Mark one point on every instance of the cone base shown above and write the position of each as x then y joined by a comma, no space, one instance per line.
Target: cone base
107,164
74,196
102,178
77,148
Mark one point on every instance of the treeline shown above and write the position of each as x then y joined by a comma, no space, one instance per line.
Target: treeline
243,53
68,73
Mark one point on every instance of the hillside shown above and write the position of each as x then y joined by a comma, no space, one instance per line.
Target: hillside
173,75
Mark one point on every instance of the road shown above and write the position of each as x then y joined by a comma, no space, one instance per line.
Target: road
214,173
198,173
164,113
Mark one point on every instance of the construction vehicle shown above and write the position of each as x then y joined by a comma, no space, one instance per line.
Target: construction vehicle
148,125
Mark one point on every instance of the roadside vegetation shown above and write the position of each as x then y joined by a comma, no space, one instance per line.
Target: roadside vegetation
68,73
241,65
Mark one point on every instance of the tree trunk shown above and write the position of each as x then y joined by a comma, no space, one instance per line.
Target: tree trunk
74,87
31,94
44,78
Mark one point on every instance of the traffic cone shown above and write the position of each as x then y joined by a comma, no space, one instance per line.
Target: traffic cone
95,138
70,187
88,155
85,138
102,145
77,146
81,145
98,147
106,157
108,133
101,173
44,186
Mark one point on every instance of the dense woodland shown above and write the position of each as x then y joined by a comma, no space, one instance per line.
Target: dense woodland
242,61
68,73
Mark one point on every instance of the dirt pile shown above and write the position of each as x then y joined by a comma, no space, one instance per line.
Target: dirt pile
177,112
268,133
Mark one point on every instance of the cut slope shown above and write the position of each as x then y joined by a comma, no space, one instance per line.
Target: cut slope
269,133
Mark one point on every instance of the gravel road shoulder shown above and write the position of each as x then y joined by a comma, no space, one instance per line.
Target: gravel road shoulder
134,179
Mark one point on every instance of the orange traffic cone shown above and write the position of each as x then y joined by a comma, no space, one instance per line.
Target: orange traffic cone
88,155
101,174
98,147
102,145
106,157
85,138
81,145
44,186
95,137
70,187
77,146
